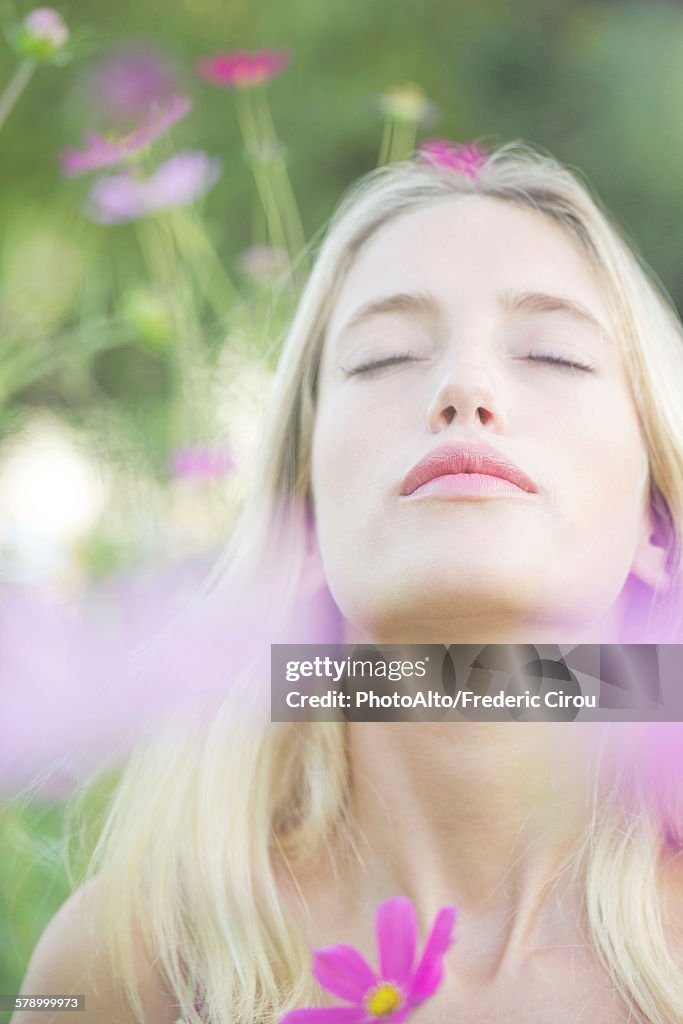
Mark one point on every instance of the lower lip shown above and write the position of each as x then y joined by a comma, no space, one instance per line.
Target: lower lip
468,485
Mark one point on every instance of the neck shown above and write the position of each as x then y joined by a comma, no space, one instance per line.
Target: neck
480,815
512,628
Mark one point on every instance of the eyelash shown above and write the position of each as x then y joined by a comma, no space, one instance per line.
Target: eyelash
400,357
572,364
379,363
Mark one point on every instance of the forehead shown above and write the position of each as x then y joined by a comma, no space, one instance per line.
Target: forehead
468,250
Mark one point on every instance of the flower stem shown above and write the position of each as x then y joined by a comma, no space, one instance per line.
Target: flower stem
16,85
398,141
385,146
250,134
202,261
281,183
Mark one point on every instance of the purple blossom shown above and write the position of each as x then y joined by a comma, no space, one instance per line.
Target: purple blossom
182,180
400,986
102,152
126,83
200,462
82,681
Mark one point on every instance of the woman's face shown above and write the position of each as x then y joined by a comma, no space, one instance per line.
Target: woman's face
489,330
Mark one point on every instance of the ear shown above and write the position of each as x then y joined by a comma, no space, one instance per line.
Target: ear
649,563
313,578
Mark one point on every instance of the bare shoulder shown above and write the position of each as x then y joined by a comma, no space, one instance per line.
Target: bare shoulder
70,959
672,903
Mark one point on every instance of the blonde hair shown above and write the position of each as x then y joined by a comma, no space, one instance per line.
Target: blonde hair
208,812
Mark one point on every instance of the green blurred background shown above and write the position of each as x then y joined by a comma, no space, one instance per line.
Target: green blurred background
93,370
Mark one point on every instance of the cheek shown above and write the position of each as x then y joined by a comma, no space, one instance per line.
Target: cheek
601,469
356,457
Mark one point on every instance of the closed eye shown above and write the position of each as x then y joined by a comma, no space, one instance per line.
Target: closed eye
378,364
402,357
572,364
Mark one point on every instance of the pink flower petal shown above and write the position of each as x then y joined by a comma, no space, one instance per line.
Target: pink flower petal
327,1015
344,972
429,973
402,1015
124,85
100,153
181,180
397,930
467,159
241,69
117,199
103,152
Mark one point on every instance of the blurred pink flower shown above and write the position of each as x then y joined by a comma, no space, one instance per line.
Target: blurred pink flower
47,25
200,462
401,985
103,152
262,262
81,682
243,70
182,180
126,83
468,159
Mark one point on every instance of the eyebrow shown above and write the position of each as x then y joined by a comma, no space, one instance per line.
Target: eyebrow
420,303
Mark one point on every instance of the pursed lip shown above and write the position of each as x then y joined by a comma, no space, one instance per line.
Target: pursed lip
465,457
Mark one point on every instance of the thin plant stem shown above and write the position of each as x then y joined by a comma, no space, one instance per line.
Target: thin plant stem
405,140
398,141
16,85
250,135
282,183
196,248
385,146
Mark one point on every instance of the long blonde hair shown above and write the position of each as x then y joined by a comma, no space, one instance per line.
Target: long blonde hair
208,811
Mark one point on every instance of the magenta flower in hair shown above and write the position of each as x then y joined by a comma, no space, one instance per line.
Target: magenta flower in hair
243,70
101,152
400,986
468,158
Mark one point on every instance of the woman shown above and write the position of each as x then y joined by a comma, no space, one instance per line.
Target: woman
447,317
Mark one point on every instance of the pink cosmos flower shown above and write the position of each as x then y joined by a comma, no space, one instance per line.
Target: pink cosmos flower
103,152
84,677
243,70
200,462
468,158
401,985
126,82
182,180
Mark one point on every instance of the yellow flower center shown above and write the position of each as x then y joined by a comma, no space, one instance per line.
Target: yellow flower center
384,1000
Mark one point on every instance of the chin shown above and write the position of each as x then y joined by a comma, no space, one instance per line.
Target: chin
435,610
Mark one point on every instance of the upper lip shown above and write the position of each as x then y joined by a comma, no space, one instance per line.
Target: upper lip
465,457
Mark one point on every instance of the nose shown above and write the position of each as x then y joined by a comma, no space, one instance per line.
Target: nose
467,395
